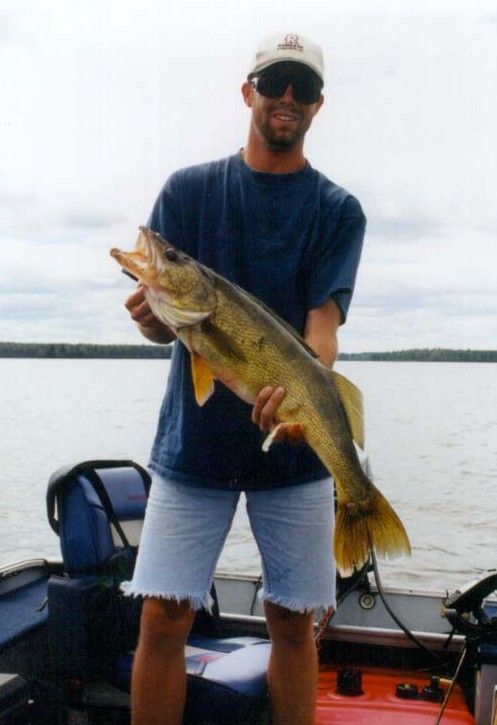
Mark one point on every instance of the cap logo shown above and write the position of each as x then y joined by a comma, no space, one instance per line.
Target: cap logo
291,42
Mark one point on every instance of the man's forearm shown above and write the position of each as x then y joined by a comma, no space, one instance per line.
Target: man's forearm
321,331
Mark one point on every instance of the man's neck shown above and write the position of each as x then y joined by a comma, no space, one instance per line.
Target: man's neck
271,161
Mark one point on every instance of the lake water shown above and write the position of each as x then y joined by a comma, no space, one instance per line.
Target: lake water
431,437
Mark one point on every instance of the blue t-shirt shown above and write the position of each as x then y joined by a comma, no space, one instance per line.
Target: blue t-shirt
293,240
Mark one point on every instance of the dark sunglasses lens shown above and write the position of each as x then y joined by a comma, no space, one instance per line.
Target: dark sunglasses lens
305,87
270,85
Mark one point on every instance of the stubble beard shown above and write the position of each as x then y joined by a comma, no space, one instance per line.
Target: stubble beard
280,140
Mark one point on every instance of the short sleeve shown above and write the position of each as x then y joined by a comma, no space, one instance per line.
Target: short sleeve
165,217
332,267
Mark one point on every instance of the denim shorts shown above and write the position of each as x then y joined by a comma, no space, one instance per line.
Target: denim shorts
186,526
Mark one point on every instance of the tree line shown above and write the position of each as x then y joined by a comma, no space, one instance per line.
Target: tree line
88,350
435,354
82,350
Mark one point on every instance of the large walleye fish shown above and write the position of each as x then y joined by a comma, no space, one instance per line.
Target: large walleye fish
234,338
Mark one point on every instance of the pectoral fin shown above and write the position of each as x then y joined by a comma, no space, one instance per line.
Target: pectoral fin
203,379
351,399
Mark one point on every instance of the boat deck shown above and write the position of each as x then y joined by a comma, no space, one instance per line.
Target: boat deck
361,636
379,701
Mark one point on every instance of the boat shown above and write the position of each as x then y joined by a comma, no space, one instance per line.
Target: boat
67,633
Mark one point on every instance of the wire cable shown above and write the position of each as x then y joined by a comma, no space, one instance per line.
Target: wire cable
397,621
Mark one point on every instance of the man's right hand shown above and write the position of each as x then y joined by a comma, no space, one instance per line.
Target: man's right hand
149,326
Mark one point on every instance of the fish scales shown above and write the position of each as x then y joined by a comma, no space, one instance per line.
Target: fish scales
234,338
272,356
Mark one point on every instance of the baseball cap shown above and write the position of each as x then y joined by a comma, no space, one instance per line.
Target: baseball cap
288,47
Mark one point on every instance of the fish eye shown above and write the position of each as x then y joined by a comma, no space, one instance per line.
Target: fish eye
171,255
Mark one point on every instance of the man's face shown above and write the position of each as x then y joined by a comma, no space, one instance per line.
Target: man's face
281,122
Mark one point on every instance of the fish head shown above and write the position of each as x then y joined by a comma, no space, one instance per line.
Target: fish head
179,290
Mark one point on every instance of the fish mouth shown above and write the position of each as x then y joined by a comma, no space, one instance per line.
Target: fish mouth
147,260
134,263
150,262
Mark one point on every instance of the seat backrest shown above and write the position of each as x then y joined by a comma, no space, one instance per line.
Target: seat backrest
97,509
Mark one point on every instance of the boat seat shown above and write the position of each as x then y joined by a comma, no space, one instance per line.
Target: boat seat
226,680
22,611
97,509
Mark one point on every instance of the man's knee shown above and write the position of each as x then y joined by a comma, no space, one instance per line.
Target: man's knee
289,627
165,624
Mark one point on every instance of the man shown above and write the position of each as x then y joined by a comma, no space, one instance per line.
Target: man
265,219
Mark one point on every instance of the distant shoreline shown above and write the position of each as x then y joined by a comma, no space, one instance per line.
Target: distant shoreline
435,354
58,350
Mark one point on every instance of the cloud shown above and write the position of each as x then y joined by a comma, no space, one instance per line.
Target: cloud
10,25
78,218
403,228
68,314
433,291
489,19
103,100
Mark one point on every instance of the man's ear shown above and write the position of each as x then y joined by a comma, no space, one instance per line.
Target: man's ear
247,91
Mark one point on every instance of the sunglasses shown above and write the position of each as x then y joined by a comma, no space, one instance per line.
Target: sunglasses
273,82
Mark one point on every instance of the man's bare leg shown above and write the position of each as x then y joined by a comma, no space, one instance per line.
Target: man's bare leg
293,667
158,685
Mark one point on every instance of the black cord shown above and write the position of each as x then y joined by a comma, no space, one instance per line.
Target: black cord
449,638
397,621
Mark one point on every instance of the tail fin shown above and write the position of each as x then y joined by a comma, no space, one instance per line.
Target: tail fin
361,526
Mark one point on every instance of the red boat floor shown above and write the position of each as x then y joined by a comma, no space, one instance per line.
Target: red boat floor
379,703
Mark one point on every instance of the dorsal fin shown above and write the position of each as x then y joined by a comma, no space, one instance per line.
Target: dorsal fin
351,399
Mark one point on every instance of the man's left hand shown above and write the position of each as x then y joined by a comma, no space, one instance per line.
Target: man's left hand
264,414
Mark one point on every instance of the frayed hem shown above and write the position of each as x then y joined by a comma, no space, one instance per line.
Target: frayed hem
195,602
294,605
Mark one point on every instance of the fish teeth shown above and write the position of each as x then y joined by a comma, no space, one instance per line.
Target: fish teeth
155,256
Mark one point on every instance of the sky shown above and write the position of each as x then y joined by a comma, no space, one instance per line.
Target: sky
103,99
